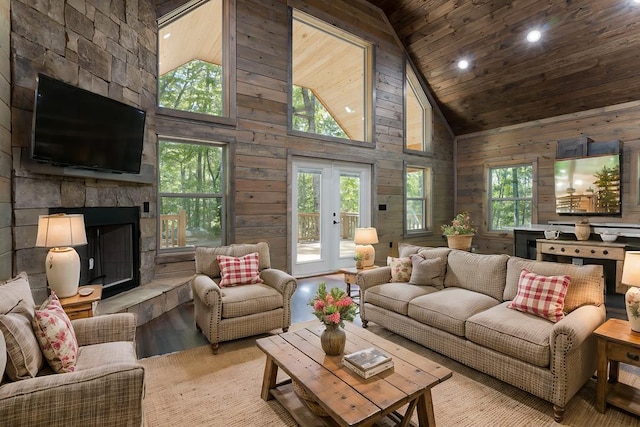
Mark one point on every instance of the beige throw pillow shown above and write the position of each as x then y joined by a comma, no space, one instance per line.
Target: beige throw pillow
24,358
426,272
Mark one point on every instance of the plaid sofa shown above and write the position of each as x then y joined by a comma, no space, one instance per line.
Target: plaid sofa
463,315
228,313
106,388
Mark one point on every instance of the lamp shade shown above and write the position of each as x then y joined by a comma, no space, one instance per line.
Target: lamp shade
631,268
365,236
61,230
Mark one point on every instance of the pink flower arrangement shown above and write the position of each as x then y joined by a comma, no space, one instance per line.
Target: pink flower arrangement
333,307
461,225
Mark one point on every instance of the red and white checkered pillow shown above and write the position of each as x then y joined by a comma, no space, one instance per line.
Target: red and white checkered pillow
541,295
239,271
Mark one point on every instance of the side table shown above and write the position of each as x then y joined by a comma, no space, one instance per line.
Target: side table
81,307
617,343
350,274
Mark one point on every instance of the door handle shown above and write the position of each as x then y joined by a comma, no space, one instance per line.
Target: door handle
336,222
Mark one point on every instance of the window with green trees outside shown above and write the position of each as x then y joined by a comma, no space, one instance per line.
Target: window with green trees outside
510,197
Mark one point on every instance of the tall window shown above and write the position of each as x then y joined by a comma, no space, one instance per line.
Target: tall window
331,77
417,199
191,194
510,197
191,59
418,115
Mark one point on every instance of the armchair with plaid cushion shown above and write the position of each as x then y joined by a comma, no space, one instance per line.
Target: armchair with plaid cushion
232,303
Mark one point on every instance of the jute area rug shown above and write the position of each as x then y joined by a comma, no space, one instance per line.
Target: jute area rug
196,388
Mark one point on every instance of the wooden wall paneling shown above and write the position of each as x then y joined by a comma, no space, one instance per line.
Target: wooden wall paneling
602,124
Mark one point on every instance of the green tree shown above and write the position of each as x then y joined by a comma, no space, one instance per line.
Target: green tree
511,197
195,86
309,114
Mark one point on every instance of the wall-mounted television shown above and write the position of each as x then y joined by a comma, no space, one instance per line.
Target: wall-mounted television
588,185
73,127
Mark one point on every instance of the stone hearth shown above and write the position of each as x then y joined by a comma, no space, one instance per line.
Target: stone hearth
150,300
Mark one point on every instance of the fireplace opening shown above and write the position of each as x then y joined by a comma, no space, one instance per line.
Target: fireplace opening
111,256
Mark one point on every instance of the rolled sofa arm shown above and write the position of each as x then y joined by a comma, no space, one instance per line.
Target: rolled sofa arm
108,396
570,332
105,328
207,290
279,280
375,276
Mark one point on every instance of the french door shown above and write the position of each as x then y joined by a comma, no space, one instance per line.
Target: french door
330,199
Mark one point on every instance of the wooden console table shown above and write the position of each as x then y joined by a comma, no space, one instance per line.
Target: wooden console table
585,249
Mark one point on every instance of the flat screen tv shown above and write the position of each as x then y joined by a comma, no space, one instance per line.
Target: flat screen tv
588,185
73,127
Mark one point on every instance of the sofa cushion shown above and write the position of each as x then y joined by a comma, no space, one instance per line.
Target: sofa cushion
477,272
3,356
206,262
24,358
240,301
105,354
520,335
241,249
400,269
395,296
430,272
236,271
55,334
449,308
541,295
586,287
407,249
206,259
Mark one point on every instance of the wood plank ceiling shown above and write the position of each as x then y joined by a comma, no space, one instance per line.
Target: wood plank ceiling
588,57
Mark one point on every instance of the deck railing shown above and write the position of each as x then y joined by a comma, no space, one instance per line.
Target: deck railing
173,230
309,226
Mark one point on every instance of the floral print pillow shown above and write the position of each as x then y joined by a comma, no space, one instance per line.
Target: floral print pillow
400,269
56,336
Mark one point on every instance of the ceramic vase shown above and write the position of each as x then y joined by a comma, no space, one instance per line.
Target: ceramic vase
333,339
632,302
460,241
582,231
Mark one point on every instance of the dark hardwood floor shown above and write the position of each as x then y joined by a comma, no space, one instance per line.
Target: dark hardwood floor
175,330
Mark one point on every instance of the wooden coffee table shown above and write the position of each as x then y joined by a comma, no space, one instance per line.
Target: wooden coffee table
347,398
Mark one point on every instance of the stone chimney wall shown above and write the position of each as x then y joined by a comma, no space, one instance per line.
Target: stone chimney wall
108,47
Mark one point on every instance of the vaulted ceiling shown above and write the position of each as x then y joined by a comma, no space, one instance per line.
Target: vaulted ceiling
588,56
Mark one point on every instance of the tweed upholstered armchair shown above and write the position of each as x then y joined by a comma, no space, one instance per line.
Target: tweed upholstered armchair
106,388
227,313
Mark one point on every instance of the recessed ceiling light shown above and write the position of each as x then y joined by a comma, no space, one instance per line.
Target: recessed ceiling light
534,35
463,64
166,36
348,110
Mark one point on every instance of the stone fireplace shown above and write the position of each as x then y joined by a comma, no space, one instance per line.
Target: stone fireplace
112,254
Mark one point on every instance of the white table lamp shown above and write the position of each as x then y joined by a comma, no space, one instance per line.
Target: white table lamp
59,232
364,238
631,277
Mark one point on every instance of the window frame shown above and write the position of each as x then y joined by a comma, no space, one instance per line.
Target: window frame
427,199
368,79
222,195
413,83
229,85
487,205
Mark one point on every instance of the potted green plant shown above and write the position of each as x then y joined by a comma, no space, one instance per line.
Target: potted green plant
460,232
358,257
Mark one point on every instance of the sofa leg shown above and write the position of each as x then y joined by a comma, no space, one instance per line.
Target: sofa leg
558,413
285,329
214,347
198,328
365,324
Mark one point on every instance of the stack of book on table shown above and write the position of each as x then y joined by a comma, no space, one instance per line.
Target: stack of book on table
368,362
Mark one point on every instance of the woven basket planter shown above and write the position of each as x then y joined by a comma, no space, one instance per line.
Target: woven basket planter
308,400
462,242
